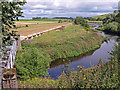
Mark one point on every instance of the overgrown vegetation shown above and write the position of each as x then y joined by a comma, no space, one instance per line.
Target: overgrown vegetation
101,76
30,62
82,21
110,23
10,12
101,17
69,42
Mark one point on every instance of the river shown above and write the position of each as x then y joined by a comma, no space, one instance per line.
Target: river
86,61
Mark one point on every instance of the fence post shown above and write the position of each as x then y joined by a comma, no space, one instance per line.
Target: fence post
18,43
9,78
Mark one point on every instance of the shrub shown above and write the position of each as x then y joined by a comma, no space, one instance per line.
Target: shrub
111,27
26,25
30,63
82,21
60,21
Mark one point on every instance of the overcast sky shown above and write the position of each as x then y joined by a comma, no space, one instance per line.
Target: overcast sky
68,8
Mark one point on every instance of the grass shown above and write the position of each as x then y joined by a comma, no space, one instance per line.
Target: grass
38,83
35,28
100,76
95,21
72,41
40,22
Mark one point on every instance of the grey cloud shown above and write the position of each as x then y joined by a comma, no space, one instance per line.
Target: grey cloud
50,9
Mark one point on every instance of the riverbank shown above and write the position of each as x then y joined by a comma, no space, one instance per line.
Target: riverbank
100,76
72,41
107,31
95,21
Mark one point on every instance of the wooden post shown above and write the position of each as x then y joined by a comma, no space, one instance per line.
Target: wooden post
18,43
9,78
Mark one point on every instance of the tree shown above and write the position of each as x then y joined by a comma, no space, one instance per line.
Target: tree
10,12
117,19
82,21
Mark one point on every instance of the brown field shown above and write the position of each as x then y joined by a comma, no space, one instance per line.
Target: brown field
35,28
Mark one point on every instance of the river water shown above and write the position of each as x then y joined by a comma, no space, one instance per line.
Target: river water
86,61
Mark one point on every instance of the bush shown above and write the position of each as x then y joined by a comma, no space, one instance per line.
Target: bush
111,27
60,21
82,21
26,25
30,63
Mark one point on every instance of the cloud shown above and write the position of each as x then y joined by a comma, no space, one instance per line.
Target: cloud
53,8
39,6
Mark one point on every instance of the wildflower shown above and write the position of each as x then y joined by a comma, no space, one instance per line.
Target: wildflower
84,78
80,67
36,83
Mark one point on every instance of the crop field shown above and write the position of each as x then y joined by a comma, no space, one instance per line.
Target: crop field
35,22
33,27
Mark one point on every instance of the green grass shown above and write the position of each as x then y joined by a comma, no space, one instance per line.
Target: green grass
49,20
72,41
31,21
100,76
95,21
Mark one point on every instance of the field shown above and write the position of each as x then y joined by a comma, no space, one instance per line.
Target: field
69,42
36,22
33,27
38,53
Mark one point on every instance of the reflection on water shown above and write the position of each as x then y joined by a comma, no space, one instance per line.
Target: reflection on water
86,61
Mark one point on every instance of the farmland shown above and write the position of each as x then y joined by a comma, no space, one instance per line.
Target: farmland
34,27
72,41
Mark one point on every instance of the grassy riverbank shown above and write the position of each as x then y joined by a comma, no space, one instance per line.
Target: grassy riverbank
101,76
72,41
37,53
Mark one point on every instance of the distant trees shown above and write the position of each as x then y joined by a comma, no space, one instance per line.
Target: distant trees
117,19
109,18
39,18
36,18
101,17
111,27
62,17
82,21
112,23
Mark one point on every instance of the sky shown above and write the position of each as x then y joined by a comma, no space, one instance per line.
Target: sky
68,8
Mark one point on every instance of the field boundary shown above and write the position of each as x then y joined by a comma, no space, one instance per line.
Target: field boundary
31,36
